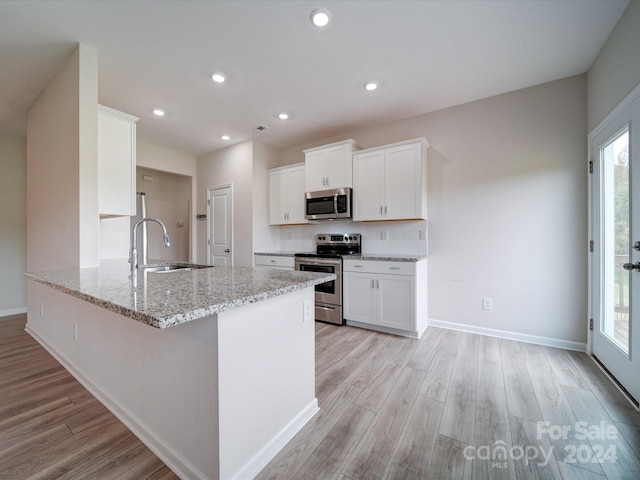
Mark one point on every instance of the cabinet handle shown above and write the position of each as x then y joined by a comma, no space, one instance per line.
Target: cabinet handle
373,283
380,209
394,268
358,266
378,284
272,261
385,209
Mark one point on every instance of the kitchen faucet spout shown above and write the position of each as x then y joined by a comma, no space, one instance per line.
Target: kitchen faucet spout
133,257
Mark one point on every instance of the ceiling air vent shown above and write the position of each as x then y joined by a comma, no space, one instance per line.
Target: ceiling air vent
259,128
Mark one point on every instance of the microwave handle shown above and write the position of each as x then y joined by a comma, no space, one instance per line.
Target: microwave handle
335,204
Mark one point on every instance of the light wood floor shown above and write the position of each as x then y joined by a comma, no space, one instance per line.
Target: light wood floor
391,408
52,428
441,407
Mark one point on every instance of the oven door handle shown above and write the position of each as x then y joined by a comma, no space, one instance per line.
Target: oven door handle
322,307
329,263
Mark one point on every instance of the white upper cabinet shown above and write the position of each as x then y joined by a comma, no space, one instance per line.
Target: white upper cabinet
390,182
286,195
116,162
329,166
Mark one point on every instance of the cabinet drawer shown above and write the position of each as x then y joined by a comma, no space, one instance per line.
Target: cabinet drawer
274,261
368,266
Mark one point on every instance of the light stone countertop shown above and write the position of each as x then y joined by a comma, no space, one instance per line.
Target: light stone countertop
167,299
386,257
389,257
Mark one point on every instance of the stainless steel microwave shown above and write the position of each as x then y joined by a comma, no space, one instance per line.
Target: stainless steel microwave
328,204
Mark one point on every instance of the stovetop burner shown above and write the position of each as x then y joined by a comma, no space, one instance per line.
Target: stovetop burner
331,245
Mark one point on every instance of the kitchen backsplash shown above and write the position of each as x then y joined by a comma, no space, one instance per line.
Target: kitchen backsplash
408,237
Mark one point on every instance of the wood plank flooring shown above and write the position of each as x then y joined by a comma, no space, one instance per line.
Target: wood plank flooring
452,405
52,428
458,406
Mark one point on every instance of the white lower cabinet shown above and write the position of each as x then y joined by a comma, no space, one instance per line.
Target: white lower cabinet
277,262
387,296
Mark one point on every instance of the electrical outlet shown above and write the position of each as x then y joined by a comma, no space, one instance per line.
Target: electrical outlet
309,311
487,303
75,332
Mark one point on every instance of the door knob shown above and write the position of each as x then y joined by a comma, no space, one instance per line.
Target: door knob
632,266
226,250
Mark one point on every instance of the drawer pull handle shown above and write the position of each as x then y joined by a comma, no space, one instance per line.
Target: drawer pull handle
272,261
358,266
394,268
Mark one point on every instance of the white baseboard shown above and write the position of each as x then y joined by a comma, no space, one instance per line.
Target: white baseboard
520,337
271,449
169,456
380,328
13,311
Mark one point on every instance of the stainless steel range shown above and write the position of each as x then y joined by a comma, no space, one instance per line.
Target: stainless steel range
330,248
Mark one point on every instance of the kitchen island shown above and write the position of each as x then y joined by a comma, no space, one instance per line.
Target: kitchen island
212,368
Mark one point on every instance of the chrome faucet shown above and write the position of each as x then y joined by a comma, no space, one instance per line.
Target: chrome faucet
133,257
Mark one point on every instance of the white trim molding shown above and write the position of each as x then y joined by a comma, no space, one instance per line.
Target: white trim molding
176,462
12,311
255,465
520,337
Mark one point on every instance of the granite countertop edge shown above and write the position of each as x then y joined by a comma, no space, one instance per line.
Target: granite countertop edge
189,313
389,257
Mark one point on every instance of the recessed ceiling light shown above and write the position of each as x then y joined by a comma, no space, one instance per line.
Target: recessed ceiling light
218,77
225,137
370,86
320,17
283,115
158,112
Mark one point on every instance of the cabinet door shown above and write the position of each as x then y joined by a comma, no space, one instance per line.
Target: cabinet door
396,301
403,182
339,170
295,195
116,163
277,197
358,297
315,171
368,186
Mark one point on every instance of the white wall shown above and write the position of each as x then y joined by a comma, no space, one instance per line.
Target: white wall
507,208
232,165
166,159
13,218
265,237
169,199
616,70
63,227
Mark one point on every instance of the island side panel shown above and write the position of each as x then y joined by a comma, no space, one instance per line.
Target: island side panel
161,383
267,380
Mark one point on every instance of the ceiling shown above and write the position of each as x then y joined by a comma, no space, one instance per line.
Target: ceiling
427,55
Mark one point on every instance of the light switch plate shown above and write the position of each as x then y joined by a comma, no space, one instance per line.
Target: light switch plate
309,307
487,303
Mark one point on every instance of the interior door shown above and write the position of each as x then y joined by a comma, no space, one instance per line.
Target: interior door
615,279
220,235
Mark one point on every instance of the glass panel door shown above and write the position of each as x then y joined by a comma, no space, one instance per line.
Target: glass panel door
614,157
615,273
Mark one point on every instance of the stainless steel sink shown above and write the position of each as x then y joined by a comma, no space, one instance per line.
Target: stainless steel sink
173,267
